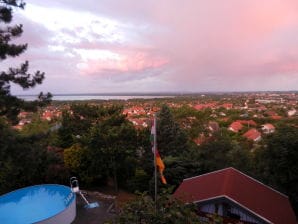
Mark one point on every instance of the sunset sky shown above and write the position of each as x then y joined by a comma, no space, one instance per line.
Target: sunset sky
160,45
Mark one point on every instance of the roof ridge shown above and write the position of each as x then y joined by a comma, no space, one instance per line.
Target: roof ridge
234,169
259,182
216,171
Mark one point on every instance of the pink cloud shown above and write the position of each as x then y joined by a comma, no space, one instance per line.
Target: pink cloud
135,62
195,45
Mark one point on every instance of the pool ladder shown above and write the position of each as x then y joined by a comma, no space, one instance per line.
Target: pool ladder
74,184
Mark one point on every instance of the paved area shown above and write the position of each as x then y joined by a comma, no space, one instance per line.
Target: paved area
93,215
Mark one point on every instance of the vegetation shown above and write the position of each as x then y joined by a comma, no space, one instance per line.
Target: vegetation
10,105
98,144
168,210
24,159
277,162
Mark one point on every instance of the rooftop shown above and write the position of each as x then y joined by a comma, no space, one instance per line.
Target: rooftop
250,194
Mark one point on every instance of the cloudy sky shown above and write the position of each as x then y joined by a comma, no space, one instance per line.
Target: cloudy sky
96,46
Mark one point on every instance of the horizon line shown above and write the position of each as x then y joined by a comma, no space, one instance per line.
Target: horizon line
162,93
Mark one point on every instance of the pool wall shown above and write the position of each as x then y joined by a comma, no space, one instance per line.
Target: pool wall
41,204
66,216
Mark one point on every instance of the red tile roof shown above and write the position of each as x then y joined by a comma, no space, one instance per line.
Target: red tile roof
227,105
247,122
234,185
268,126
252,134
204,106
276,117
236,126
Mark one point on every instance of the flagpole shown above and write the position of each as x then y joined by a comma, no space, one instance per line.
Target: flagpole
155,167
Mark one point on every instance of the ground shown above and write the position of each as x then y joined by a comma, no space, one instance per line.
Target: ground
109,204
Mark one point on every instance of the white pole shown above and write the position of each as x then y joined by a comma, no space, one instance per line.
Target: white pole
155,167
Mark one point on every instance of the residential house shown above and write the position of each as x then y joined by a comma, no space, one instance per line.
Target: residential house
292,112
253,134
268,128
138,123
227,106
136,110
236,197
201,139
213,126
211,105
235,127
248,123
47,115
276,117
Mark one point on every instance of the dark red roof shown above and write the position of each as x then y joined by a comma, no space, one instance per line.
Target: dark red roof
249,193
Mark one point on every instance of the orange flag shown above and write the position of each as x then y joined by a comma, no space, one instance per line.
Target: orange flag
161,167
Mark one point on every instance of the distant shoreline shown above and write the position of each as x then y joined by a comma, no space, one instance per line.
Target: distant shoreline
182,93
129,96
79,97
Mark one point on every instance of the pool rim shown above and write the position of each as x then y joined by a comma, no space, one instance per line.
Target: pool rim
73,200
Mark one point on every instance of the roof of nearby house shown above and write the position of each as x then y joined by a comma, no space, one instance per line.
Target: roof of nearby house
268,126
247,192
247,122
276,117
252,134
236,126
227,105
213,126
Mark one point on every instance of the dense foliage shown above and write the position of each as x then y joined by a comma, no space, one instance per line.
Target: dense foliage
167,210
25,161
101,147
277,162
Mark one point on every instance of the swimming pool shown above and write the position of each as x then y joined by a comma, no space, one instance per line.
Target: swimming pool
48,203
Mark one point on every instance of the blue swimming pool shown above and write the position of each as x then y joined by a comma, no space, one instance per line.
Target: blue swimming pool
49,203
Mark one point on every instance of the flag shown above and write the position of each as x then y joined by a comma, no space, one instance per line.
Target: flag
161,167
159,162
153,133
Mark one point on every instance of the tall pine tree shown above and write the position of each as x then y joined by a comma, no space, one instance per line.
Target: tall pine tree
171,139
9,104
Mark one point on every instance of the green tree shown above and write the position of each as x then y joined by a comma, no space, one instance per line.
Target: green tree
10,105
77,122
36,127
82,163
114,139
102,145
23,160
277,161
169,210
171,140
223,152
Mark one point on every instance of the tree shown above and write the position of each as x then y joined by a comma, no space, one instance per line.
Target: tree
169,210
114,139
277,161
9,104
80,161
71,130
102,145
171,140
23,160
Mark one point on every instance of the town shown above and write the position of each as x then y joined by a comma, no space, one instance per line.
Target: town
105,143
250,115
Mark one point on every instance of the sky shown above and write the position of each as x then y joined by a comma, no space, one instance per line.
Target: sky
115,46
